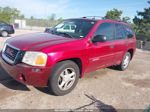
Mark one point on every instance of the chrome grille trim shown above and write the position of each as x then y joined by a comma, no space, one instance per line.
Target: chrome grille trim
6,58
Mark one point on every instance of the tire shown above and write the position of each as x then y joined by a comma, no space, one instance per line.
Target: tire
62,72
4,34
125,62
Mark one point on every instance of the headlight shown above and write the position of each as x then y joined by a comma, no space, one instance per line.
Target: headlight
35,58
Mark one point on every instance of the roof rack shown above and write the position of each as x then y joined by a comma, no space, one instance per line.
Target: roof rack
93,17
100,17
112,19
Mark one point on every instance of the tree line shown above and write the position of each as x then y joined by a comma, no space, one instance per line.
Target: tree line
140,23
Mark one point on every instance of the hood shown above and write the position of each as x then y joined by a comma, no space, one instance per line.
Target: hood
37,41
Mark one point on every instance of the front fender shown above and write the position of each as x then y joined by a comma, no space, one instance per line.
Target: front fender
54,58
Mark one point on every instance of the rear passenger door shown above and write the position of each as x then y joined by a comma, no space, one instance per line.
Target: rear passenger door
121,43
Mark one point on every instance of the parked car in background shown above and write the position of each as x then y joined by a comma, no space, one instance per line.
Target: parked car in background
49,30
6,29
62,28
59,58
66,27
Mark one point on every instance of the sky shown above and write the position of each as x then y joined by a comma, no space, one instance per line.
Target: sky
74,8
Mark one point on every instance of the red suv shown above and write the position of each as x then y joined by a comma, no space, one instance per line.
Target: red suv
57,59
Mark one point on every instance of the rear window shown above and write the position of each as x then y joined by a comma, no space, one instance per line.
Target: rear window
129,31
123,31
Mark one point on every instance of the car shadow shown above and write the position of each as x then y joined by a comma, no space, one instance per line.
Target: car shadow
45,90
10,83
101,106
113,68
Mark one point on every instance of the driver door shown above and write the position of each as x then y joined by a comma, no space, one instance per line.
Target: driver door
101,54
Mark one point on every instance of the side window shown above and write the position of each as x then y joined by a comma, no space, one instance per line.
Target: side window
129,31
107,30
120,32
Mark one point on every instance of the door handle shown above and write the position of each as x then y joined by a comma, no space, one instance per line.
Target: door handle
111,46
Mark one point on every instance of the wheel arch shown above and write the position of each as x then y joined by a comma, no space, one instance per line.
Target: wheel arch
78,61
131,51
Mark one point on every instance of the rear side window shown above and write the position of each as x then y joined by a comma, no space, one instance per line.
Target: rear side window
120,32
129,31
106,29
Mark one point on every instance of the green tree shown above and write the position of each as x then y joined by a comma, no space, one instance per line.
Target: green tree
7,13
52,20
4,17
60,20
142,22
32,17
52,17
114,14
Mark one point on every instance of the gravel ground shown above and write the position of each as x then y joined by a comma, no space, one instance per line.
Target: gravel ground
105,88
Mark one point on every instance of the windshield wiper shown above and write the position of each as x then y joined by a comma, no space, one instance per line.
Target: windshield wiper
65,34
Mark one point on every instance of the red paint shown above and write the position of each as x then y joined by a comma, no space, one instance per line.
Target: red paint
92,56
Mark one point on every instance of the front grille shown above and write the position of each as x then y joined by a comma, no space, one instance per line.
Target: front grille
10,53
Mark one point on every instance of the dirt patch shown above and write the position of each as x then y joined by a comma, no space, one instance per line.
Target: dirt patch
5,93
96,74
144,83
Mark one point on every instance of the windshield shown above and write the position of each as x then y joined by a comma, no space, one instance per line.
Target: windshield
75,28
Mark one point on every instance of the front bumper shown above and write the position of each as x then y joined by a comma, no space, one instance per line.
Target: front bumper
36,76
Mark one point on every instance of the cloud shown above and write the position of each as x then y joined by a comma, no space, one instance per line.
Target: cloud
37,8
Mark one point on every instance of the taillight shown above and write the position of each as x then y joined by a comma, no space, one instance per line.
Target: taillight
11,26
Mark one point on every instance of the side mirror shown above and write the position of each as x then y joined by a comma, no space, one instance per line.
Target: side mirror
99,38
130,35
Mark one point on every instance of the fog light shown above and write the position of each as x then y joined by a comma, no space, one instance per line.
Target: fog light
22,78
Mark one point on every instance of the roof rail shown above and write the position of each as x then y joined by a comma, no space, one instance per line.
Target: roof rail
112,19
100,17
93,17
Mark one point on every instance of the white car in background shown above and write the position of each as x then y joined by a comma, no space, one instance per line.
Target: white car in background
66,28
62,28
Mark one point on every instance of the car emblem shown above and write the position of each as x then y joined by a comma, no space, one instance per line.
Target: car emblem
9,51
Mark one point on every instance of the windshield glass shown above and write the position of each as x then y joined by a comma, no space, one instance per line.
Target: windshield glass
76,28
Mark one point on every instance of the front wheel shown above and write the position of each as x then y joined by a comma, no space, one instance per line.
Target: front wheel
63,78
125,62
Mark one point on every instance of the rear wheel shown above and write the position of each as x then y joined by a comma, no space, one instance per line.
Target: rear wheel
64,77
4,34
125,62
